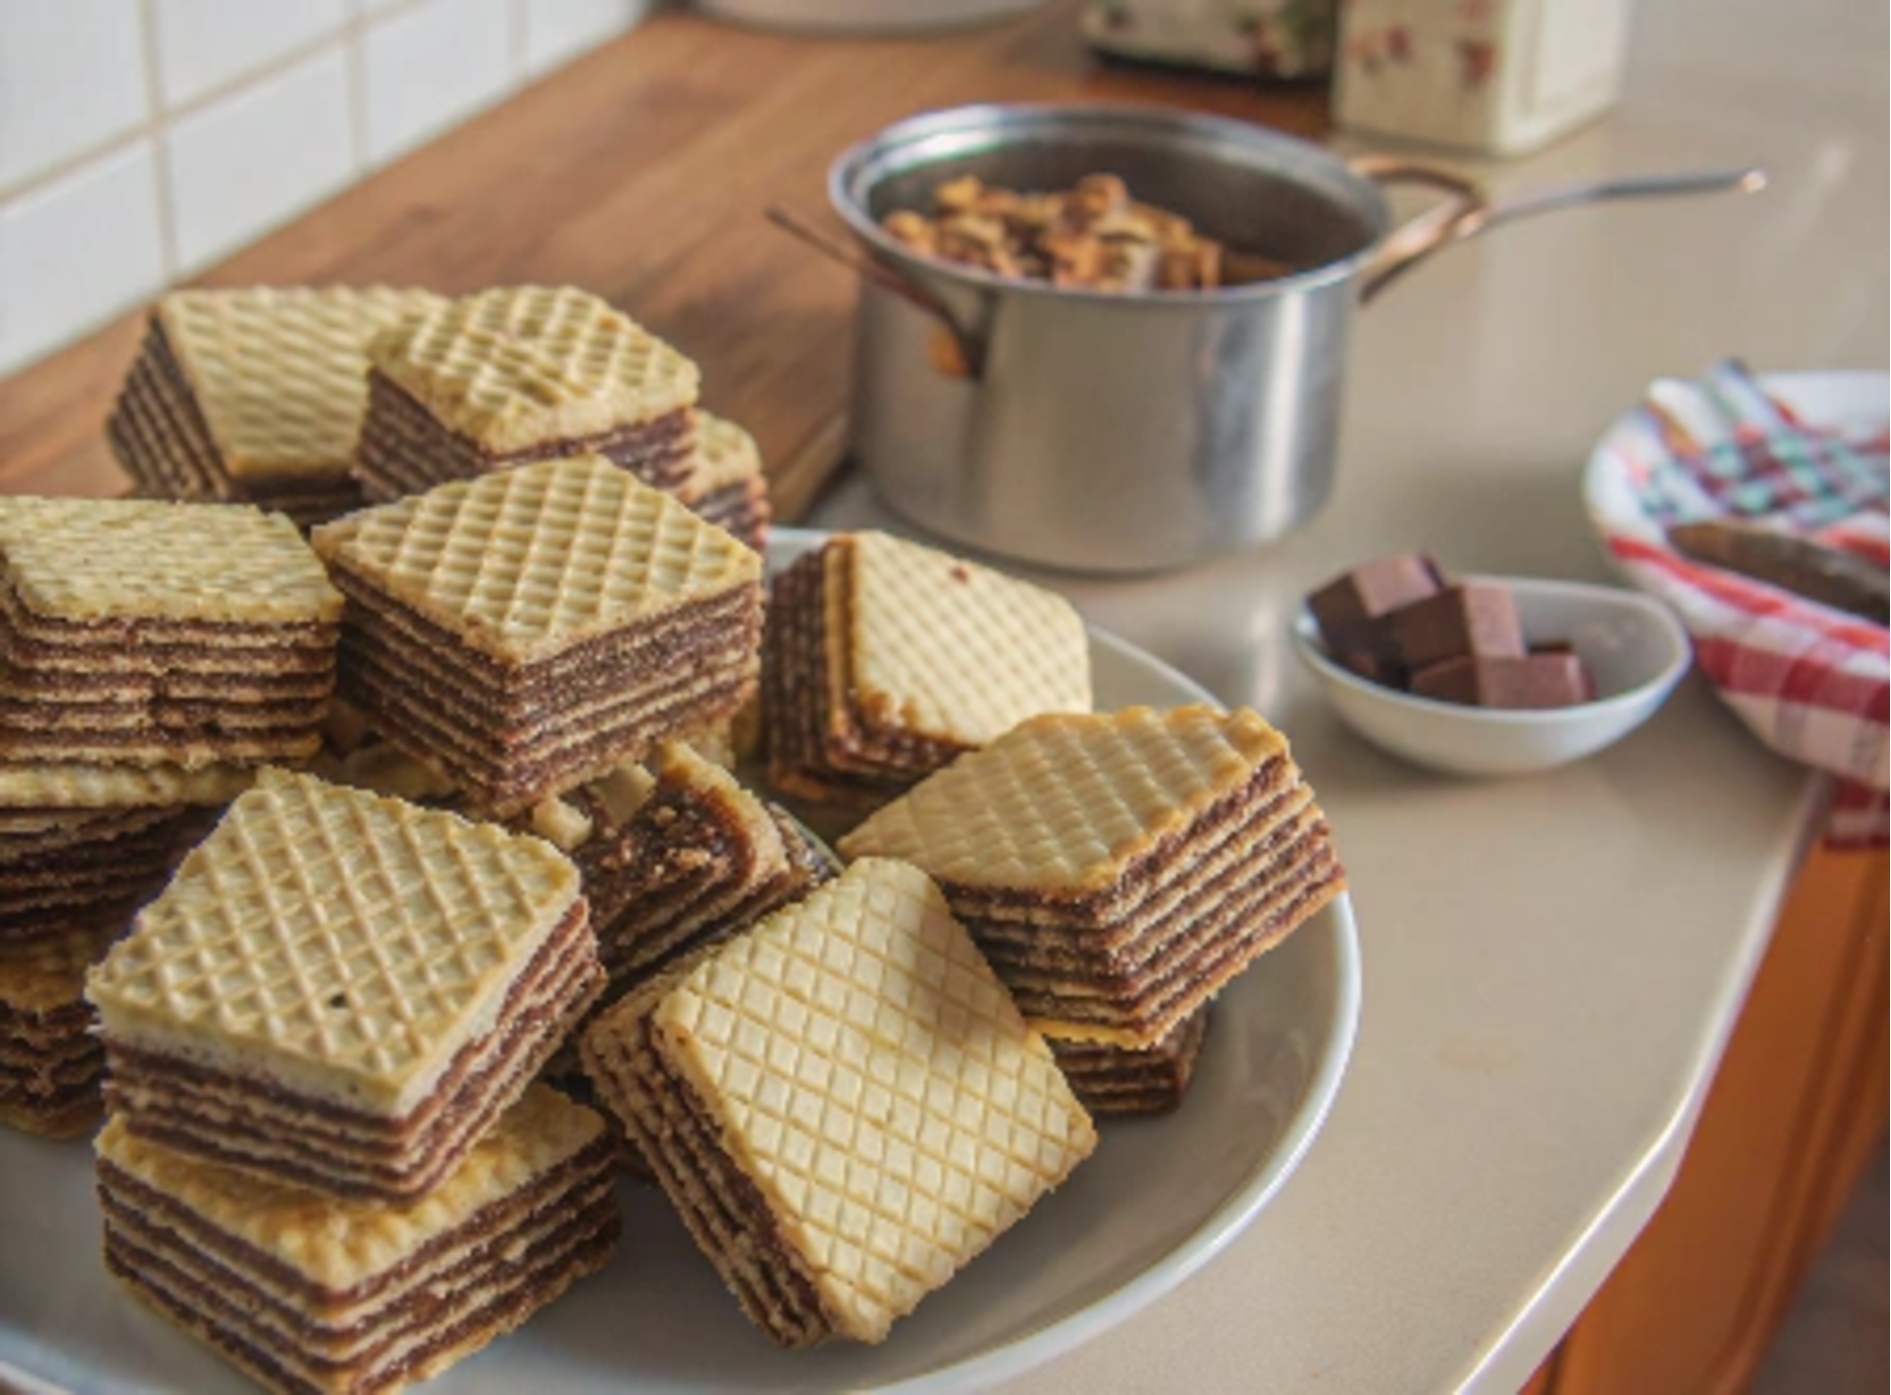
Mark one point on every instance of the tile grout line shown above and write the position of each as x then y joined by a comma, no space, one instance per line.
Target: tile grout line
354,39
155,130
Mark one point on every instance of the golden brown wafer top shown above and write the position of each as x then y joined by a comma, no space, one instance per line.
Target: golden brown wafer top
1062,804
519,366
524,562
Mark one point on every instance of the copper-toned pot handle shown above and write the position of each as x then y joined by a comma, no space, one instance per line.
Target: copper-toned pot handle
1462,213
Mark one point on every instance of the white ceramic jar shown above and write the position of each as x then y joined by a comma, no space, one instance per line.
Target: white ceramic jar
1498,76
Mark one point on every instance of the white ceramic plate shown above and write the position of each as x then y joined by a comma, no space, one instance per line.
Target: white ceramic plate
1158,1199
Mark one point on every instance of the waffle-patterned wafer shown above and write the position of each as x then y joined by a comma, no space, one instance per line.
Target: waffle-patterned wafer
1116,1080
86,868
255,394
518,367
144,633
726,455
525,629
843,1103
116,561
35,790
342,990
307,1293
50,1063
889,659
1120,868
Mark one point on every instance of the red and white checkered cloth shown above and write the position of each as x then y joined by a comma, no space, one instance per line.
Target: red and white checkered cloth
1813,682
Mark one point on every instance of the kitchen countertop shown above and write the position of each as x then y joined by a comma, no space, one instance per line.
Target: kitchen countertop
1551,963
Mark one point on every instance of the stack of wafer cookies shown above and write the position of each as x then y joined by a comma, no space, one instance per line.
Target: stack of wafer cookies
50,1063
1122,1080
310,1294
523,373
149,634
526,629
1119,869
726,485
255,395
843,1104
694,859
343,991
885,660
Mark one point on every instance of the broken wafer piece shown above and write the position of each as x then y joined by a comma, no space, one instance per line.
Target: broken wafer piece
696,860
141,633
50,1063
521,373
1119,869
886,659
843,1104
255,395
1117,1080
342,991
308,1293
526,629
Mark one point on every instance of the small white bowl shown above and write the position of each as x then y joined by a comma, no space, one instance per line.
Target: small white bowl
1633,646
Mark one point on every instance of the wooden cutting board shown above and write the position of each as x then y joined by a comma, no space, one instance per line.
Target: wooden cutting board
641,173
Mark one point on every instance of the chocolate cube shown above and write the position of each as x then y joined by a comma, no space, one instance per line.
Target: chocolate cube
1476,618
1346,606
1531,680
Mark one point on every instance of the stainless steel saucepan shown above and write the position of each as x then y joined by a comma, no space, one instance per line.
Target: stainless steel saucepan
1126,433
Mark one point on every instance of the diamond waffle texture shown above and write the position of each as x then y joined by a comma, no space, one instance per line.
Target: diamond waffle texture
726,454
280,374
91,559
519,366
59,785
340,1244
1064,804
345,943
875,1081
523,562
951,651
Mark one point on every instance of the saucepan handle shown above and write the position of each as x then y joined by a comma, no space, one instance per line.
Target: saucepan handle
1460,214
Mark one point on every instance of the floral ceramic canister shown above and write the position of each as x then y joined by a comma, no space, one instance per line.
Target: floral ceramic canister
1283,40
1499,76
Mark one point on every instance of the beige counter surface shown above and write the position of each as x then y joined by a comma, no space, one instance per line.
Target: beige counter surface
1551,963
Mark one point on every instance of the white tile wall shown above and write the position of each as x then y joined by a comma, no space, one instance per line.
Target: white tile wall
250,161
205,44
143,140
72,77
557,31
433,66
77,250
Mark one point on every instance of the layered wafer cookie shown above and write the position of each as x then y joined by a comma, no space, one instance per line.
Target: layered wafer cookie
140,633
1117,1080
307,1293
843,1103
885,660
1119,869
342,991
523,373
725,485
61,867
697,859
255,395
50,1062
526,629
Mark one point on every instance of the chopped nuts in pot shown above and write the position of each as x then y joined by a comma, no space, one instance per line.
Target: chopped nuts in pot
1094,237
